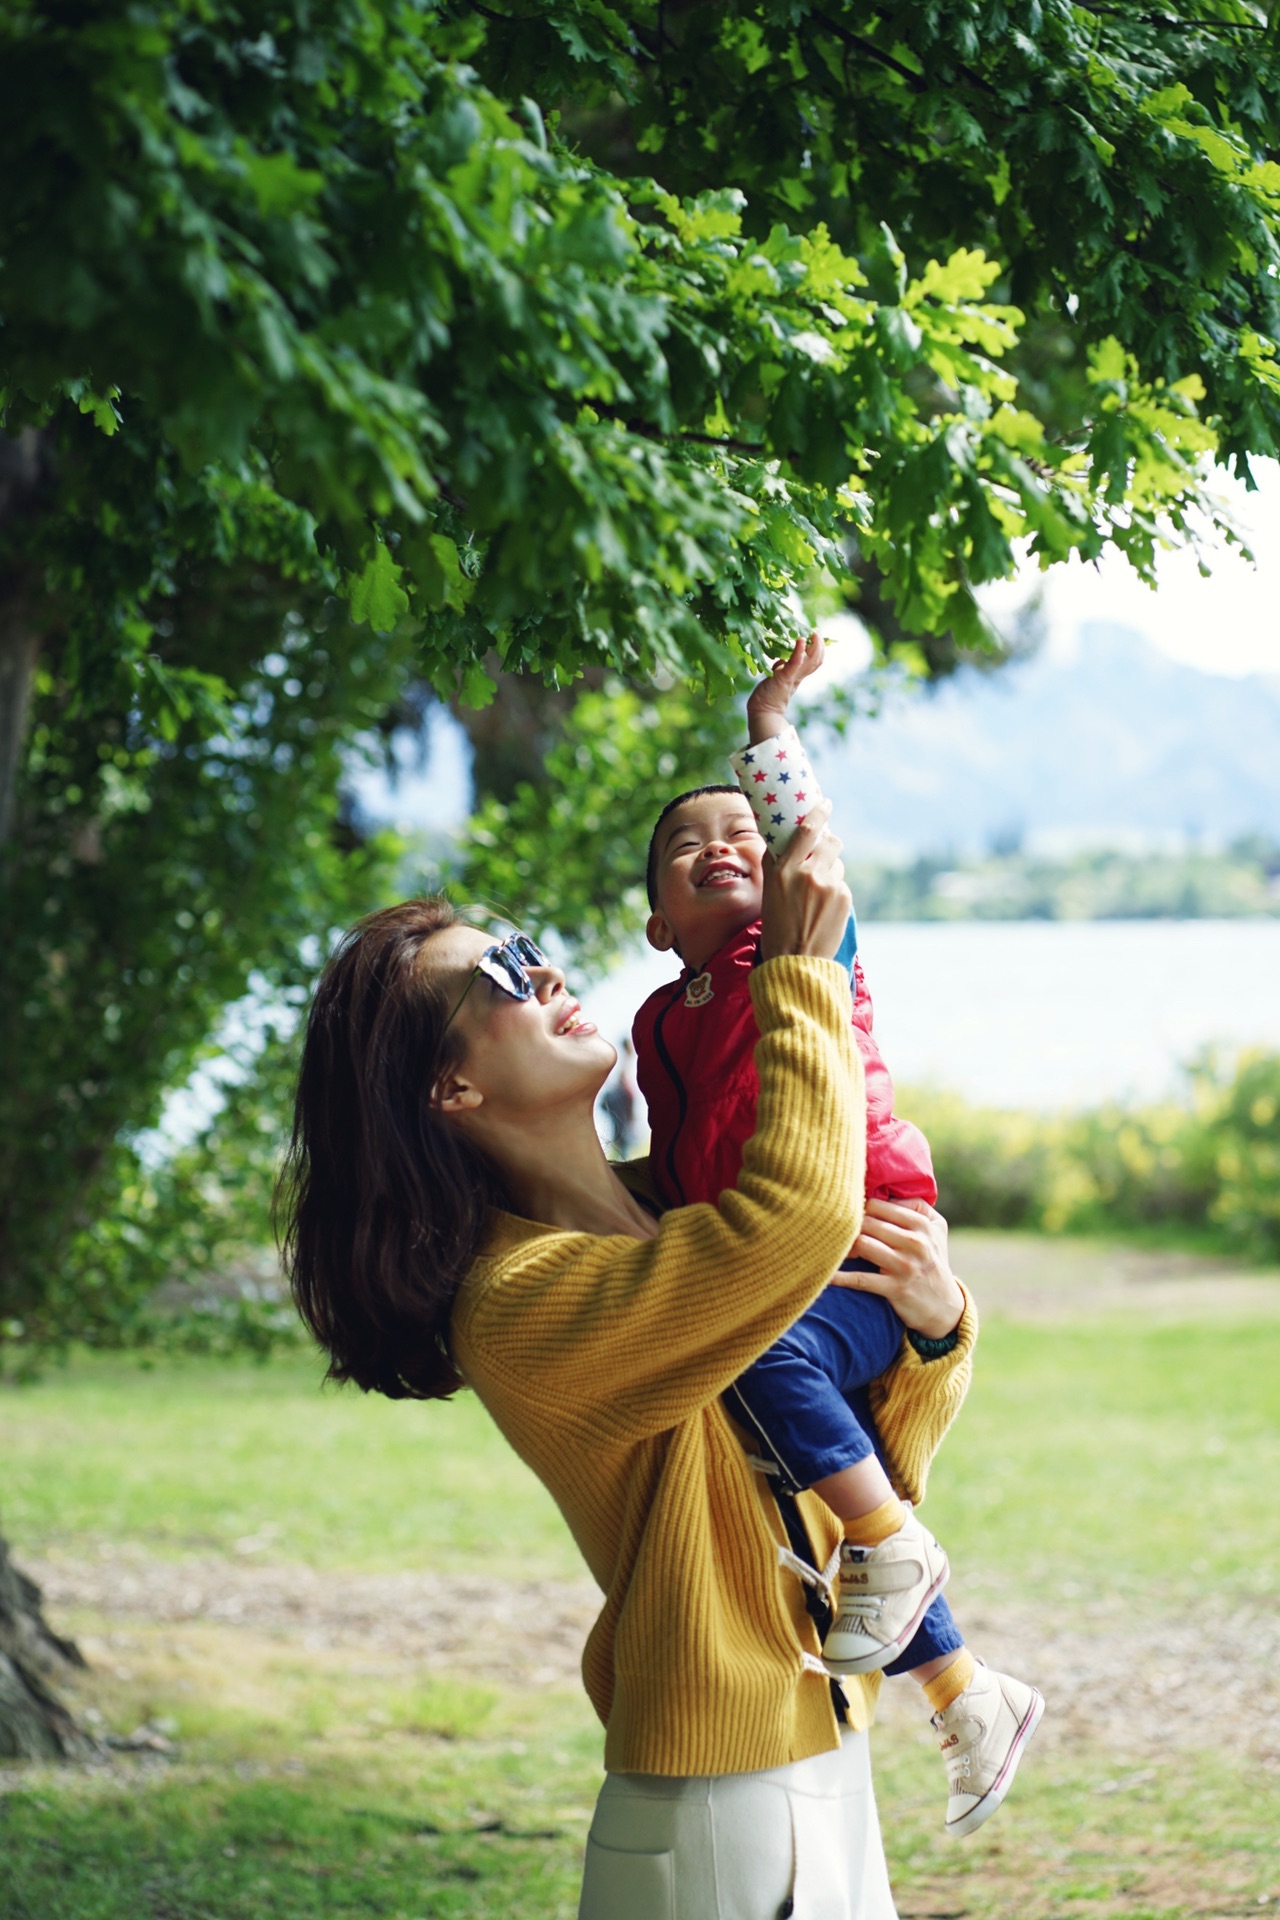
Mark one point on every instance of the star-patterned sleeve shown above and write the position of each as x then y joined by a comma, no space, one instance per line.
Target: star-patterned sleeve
778,780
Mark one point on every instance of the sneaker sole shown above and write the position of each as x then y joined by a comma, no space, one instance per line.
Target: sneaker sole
992,1798
882,1656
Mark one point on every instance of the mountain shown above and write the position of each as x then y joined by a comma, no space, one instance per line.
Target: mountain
1117,744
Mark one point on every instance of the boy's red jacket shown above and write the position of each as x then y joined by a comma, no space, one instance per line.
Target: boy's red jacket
695,1041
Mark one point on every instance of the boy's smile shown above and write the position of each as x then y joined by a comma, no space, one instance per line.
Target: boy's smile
723,873
709,876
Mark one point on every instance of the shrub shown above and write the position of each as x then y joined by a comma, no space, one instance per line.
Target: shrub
1246,1145
993,1167
1208,1165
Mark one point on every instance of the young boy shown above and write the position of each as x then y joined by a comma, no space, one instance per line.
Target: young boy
809,1399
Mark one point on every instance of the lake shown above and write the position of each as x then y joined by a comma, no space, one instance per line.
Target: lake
1034,1013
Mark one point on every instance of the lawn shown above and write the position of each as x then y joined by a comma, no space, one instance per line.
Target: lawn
194,1456
1107,1498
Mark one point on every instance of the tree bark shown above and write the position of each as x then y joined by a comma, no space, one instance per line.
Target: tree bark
511,737
34,1724
25,475
19,647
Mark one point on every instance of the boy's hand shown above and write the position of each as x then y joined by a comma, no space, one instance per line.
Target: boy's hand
767,706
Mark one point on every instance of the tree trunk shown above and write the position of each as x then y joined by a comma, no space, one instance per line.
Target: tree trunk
511,737
25,473
18,650
34,1724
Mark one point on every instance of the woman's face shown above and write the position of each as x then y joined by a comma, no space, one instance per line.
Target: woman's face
524,1057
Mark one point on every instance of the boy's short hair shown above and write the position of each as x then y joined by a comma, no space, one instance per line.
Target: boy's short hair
693,793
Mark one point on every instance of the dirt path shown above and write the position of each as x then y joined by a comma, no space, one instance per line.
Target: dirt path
1026,1277
1133,1688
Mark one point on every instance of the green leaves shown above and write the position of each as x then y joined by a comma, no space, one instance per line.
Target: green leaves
181,846
170,698
376,595
1115,163
531,405
102,408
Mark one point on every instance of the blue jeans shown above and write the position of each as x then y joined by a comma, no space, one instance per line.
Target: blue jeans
807,1400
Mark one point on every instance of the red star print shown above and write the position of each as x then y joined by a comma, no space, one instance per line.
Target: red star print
782,753
770,799
799,796
799,819
759,776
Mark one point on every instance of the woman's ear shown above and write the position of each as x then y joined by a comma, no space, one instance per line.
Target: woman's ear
660,933
454,1095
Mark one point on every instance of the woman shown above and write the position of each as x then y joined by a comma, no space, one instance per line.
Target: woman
452,1217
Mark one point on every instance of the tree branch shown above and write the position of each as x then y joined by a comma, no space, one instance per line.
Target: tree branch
856,42
25,467
646,430
1177,26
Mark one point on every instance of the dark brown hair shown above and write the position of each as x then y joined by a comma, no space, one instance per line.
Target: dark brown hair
382,1204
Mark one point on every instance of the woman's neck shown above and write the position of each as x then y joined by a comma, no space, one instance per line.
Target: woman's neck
559,1174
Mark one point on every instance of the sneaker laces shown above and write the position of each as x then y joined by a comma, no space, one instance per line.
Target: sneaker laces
860,1606
958,1760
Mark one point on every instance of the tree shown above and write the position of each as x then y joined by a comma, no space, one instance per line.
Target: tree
1115,162
325,348
176,842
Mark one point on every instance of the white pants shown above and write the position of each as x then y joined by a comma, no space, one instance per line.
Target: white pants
801,1840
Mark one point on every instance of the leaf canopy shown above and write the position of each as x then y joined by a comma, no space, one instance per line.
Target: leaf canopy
345,271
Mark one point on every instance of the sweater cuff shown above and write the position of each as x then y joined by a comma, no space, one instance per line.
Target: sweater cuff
921,1349
800,982
934,1349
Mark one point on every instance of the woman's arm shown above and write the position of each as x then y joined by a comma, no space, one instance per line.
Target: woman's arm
916,1400
624,1337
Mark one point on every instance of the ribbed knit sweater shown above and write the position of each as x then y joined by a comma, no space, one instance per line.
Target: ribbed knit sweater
602,1359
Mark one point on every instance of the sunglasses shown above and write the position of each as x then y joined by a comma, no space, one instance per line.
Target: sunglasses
507,964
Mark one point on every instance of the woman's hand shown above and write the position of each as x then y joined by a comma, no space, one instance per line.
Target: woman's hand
806,902
907,1240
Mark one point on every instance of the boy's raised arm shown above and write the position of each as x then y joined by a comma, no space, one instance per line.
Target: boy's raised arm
773,770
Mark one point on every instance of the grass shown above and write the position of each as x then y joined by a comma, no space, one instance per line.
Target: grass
1116,1455
1152,1450
1157,1843
391,1820
1123,1433
207,1455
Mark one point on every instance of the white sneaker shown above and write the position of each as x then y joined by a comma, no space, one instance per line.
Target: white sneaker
883,1593
983,1734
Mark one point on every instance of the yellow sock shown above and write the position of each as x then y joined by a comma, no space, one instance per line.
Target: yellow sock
870,1529
950,1683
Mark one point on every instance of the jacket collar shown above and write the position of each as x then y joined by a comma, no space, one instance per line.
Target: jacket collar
740,951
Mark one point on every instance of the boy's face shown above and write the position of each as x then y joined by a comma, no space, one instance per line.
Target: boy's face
710,876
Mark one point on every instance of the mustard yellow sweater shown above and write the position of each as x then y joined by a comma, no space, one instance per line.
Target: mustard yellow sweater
602,1359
